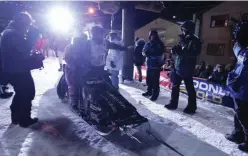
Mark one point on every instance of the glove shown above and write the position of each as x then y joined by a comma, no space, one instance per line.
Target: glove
176,49
112,64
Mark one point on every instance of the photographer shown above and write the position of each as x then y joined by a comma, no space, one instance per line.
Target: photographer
186,54
238,86
16,43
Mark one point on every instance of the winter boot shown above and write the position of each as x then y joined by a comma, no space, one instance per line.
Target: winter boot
24,115
14,119
60,68
140,79
190,109
6,95
154,96
243,147
170,106
28,122
14,114
147,94
235,137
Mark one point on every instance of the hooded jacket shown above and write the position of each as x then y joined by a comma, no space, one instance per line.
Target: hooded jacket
77,54
16,49
186,52
237,79
154,51
139,59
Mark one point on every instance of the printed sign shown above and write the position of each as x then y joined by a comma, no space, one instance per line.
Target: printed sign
212,92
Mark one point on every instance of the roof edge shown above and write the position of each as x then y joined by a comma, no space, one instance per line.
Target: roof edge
175,22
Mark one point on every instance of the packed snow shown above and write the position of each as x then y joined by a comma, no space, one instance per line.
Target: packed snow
62,133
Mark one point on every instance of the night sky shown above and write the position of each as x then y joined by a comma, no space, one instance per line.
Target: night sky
182,10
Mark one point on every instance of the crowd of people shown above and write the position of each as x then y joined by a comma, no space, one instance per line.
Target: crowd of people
183,67
218,74
92,56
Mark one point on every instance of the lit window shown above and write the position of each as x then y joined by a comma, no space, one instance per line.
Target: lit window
219,21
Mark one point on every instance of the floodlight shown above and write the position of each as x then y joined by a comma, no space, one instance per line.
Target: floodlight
61,20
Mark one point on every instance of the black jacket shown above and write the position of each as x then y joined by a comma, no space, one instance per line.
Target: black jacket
186,55
16,49
139,59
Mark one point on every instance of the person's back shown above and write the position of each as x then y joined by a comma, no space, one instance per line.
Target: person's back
77,66
139,59
15,50
16,43
77,53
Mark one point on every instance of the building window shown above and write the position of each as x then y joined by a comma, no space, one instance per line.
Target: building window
215,49
245,17
219,21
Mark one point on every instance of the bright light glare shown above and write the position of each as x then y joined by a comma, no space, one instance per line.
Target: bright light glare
91,10
61,20
87,33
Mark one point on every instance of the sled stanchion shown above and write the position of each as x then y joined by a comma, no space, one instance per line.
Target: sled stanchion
149,132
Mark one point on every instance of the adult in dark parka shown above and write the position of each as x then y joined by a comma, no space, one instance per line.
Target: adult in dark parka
238,85
153,50
186,55
16,43
139,59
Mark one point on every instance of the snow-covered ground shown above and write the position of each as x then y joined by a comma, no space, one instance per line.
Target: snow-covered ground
61,133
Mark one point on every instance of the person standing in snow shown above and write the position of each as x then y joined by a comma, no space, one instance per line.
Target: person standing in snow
85,57
4,93
186,55
139,59
99,47
17,41
77,66
114,62
153,50
238,86
59,47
